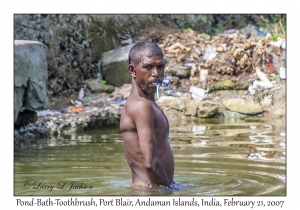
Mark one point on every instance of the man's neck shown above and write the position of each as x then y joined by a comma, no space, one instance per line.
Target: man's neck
141,93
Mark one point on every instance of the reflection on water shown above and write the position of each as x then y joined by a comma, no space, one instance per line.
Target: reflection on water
212,157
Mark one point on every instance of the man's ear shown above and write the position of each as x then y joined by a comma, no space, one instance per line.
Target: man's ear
131,70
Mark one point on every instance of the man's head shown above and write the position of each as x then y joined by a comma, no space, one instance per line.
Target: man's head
146,65
147,49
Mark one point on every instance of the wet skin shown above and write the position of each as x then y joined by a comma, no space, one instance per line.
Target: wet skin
145,128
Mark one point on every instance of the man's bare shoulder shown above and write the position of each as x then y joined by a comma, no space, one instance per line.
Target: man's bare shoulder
140,105
134,112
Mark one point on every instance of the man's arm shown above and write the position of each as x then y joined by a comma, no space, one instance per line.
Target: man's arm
144,120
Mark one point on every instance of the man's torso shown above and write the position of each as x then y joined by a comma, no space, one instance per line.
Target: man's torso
131,143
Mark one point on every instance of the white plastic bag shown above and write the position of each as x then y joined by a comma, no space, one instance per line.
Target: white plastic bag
81,94
282,71
263,78
210,53
198,93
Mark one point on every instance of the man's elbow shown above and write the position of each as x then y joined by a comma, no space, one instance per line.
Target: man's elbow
149,168
152,165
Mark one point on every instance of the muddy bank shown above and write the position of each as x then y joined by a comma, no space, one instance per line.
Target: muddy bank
105,109
74,42
206,76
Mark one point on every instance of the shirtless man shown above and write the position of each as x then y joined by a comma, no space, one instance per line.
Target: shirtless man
144,127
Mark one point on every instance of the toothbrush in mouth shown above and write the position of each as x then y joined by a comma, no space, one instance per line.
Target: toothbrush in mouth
157,90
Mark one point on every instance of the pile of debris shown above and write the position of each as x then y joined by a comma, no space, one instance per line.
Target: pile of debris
221,57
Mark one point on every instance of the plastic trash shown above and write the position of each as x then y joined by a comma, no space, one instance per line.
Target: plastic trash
280,43
263,78
166,81
268,35
282,71
121,102
177,94
198,93
230,31
47,112
260,31
210,53
76,109
190,64
260,84
99,77
169,92
203,77
118,100
283,45
81,94
251,89
77,103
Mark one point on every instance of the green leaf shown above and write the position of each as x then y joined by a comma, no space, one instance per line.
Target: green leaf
189,30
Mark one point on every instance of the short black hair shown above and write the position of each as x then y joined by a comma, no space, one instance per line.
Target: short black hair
140,49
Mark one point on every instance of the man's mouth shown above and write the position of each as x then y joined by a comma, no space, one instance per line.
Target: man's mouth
154,84
157,81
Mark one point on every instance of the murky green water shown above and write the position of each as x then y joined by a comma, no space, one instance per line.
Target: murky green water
212,157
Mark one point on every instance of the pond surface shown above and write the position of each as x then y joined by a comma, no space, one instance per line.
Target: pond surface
212,157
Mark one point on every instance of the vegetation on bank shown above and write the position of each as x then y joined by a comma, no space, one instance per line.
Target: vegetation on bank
214,24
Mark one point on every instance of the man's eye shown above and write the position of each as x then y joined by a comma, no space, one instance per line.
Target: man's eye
147,67
161,67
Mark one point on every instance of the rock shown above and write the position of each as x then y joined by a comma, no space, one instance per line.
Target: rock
169,102
244,106
123,91
25,118
175,80
180,71
30,73
184,85
267,100
74,122
126,42
249,29
36,96
48,112
173,115
241,85
99,88
18,101
74,43
207,109
185,102
96,99
233,116
223,85
191,108
62,102
115,64
278,113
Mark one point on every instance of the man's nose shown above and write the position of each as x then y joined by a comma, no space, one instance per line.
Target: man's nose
154,72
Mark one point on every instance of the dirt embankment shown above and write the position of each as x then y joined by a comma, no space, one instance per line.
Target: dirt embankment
232,66
229,74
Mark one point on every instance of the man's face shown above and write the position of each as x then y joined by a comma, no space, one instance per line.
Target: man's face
148,72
